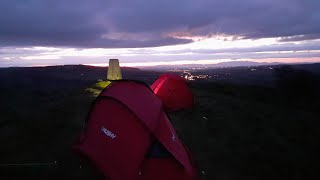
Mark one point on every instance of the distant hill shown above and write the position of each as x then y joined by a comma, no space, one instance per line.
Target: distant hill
241,63
311,67
217,65
68,75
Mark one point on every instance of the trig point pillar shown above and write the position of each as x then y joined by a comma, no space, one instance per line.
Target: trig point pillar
114,71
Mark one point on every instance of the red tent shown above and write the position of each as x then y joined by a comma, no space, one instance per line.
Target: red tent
173,92
128,136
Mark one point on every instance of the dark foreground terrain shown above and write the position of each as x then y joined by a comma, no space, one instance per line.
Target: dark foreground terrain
235,131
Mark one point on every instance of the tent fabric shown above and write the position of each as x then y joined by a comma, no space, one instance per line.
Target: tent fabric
125,121
173,92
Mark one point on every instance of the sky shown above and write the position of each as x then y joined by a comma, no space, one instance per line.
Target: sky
158,32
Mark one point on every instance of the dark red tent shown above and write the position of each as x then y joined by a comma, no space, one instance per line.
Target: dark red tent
128,136
173,91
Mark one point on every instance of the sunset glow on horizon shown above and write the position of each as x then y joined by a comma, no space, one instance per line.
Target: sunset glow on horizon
210,62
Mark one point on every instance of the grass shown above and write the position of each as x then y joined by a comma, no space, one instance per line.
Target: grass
234,131
248,133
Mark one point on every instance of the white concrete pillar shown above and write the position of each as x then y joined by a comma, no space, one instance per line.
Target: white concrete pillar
114,70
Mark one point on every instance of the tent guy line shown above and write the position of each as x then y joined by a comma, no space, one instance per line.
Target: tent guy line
55,163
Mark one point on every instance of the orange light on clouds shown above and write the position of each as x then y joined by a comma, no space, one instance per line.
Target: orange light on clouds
288,60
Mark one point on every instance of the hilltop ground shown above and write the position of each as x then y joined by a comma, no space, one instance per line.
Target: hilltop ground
236,131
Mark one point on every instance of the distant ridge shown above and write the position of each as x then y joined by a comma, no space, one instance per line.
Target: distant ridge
217,65
241,63
71,66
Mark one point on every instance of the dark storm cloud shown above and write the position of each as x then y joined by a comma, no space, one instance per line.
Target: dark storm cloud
145,23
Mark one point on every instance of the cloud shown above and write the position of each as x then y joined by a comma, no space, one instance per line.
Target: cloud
144,23
300,37
53,56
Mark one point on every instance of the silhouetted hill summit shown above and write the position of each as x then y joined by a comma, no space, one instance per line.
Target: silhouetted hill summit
68,76
241,63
